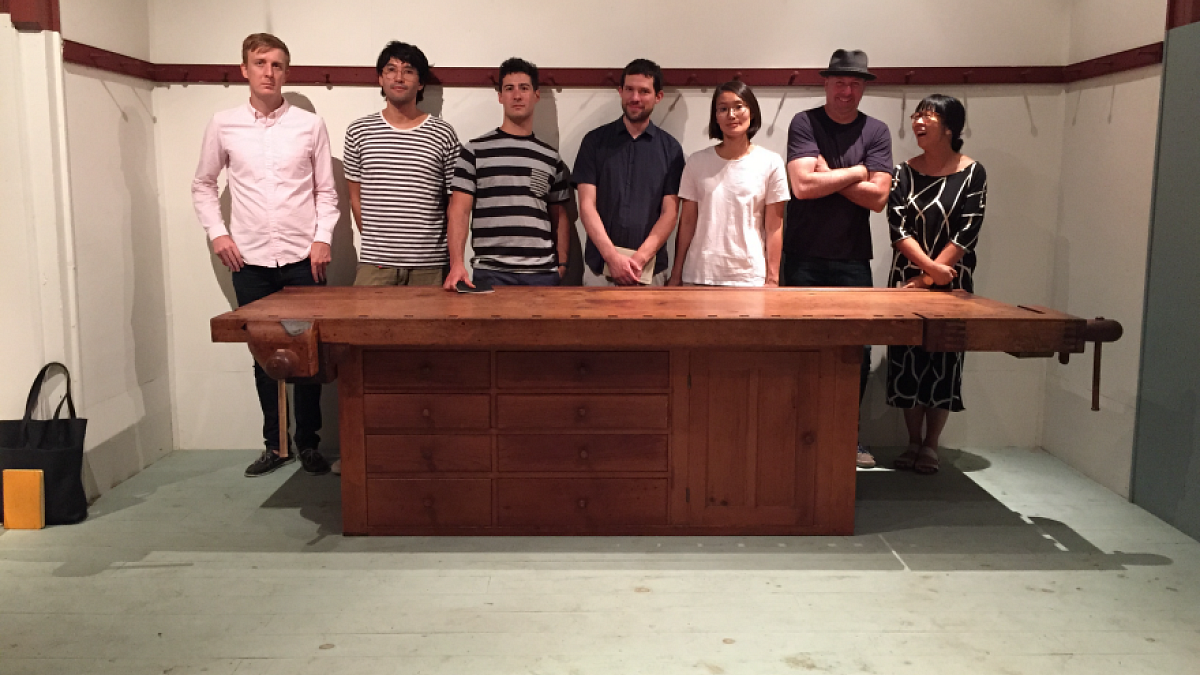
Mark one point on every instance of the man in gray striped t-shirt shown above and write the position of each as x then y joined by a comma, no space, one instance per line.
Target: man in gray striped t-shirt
399,164
513,189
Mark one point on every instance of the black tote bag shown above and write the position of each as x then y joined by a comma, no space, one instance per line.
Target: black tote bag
55,446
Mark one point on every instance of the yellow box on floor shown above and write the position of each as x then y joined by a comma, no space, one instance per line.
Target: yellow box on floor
24,499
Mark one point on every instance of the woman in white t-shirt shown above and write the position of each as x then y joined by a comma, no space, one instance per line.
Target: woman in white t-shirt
731,228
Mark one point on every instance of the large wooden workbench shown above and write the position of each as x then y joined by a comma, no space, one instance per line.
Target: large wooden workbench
609,411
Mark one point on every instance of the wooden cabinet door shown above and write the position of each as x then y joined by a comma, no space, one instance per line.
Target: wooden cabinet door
754,432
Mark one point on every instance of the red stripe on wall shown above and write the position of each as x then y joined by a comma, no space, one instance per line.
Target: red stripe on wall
94,57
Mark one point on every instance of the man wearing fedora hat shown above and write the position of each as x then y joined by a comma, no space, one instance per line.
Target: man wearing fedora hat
839,166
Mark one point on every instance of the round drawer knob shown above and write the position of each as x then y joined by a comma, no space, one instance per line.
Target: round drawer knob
428,502
583,503
582,412
425,369
809,438
427,453
583,371
583,454
426,413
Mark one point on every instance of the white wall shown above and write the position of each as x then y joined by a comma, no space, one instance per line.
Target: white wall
36,280
1100,265
1102,27
123,322
771,33
1109,135
121,26
21,339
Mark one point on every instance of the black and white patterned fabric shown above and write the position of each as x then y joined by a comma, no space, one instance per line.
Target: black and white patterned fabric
404,177
514,180
935,211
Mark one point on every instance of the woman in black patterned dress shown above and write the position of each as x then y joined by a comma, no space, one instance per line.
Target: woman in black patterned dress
935,211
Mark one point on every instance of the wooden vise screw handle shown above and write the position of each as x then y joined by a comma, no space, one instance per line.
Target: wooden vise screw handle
280,366
283,419
1099,331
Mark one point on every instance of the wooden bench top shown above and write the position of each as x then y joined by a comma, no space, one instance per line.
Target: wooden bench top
689,316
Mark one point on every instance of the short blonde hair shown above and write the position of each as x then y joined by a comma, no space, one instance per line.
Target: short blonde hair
258,42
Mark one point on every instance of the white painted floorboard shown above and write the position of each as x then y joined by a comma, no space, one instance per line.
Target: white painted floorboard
1007,562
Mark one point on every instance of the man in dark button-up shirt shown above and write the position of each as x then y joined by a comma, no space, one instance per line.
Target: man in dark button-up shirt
627,173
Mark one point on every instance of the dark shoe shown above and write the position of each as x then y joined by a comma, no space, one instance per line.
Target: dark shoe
927,461
268,462
312,461
908,458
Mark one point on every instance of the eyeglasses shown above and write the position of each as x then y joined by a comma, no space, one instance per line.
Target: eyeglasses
929,116
736,110
404,72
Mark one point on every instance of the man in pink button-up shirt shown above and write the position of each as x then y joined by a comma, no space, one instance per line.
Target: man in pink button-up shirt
280,178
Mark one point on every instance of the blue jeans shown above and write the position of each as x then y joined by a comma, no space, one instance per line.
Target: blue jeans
495,278
832,273
252,283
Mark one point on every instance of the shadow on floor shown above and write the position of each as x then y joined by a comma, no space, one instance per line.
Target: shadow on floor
948,522
199,504
942,522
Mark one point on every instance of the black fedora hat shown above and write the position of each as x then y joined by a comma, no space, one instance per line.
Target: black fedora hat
852,62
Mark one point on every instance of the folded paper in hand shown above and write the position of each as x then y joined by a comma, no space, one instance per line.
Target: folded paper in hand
647,271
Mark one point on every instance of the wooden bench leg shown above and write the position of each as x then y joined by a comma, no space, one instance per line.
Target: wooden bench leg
283,419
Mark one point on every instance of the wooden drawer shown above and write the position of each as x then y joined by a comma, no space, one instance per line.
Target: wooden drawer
400,370
582,370
582,452
383,413
582,504
446,502
428,453
581,411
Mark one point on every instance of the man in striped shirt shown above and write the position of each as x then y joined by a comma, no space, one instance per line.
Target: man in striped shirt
399,163
513,189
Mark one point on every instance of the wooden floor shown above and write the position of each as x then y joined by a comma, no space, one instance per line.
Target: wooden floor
1009,563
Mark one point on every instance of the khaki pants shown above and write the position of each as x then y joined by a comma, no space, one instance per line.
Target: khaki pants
374,275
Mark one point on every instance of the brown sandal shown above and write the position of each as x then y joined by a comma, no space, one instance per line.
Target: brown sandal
927,461
907,459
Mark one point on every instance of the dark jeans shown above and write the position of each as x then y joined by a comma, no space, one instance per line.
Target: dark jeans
254,283
832,273
516,278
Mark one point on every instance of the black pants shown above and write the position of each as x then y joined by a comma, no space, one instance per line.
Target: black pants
832,273
254,283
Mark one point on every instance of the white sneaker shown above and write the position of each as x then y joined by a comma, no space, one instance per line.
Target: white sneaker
336,467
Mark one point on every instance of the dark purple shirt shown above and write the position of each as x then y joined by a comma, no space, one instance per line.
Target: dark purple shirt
833,227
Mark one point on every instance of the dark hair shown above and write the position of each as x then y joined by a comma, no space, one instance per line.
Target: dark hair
645,68
742,91
952,113
515,65
257,42
404,53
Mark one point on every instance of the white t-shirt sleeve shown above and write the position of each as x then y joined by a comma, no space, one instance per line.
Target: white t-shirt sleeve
777,185
689,184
